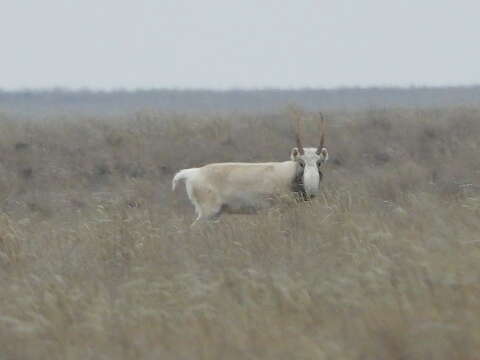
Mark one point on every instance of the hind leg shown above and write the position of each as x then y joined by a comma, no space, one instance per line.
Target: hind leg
207,205
208,214
212,216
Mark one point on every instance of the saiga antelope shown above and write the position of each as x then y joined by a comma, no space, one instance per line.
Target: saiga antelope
237,188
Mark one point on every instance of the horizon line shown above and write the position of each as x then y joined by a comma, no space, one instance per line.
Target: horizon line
87,89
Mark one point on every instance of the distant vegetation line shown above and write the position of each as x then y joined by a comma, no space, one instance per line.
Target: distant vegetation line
91,102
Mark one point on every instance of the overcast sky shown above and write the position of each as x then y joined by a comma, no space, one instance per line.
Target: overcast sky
105,44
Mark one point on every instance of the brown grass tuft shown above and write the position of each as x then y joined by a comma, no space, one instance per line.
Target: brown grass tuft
97,259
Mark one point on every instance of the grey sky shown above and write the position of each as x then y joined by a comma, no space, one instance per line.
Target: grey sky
249,43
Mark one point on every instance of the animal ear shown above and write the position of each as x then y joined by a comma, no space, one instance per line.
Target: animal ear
294,153
324,153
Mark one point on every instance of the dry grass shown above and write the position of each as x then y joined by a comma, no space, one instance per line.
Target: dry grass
97,260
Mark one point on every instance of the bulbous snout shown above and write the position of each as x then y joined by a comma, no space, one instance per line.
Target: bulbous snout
311,180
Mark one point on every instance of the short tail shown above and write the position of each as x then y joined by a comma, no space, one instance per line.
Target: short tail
181,175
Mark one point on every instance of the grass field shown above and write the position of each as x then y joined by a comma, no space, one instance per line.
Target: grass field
98,261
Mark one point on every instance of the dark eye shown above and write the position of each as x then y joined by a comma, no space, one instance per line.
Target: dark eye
302,164
319,163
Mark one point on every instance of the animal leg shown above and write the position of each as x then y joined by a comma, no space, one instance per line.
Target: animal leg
207,205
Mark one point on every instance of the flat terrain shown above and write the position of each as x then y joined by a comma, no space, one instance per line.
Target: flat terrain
97,259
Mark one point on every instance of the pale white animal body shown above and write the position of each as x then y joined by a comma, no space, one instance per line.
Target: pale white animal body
247,187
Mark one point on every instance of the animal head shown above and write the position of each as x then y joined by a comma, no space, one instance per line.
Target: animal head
309,160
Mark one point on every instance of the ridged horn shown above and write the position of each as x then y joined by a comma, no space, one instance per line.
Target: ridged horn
296,114
322,134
